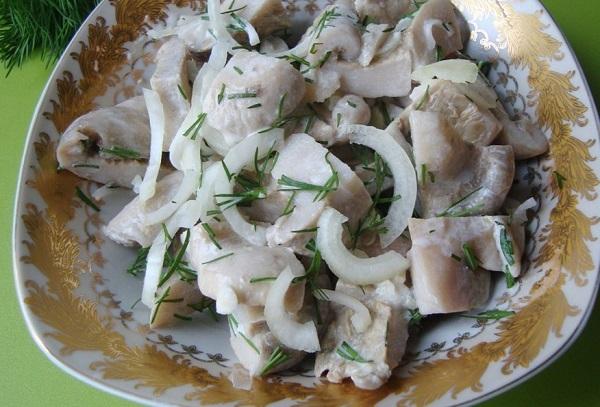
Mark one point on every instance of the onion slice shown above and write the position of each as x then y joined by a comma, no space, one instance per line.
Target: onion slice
361,319
240,156
291,333
347,266
519,216
454,70
405,179
157,132
188,186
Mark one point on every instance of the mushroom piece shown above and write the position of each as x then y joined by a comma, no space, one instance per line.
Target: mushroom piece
475,124
226,266
437,24
250,94
380,347
322,124
442,281
383,11
109,145
179,299
170,80
456,177
526,139
332,182
266,16
494,241
388,75
129,227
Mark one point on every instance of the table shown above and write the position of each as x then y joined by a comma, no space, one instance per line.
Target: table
27,378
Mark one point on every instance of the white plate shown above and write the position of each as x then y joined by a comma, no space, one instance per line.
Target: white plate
77,298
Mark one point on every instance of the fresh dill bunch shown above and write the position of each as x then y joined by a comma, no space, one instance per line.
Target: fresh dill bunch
38,25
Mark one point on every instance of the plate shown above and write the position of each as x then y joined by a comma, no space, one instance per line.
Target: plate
79,303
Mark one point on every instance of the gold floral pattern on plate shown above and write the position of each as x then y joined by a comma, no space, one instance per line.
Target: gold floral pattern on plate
125,351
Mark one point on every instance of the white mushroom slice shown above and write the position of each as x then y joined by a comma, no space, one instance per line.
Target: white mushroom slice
349,109
130,226
109,145
344,264
442,281
387,76
180,299
171,82
526,139
361,318
250,94
226,274
303,159
254,344
334,31
383,11
474,123
372,38
284,326
437,24
266,16
491,238
379,349
456,177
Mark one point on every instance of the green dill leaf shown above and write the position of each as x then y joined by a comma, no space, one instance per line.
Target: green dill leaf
559,179
86,200
277,358
182,92
121,152
182,317
471,261
139,264
351,104
249,342
211,235
254,106
238,70
83,165
309,230
349,353
195,127
262,279
454,211
415,317
510,279
218,258
494,314
221,94
242,95
457,258
507,247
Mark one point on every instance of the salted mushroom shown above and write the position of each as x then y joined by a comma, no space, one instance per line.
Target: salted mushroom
179,299
130,227
456,177
379,348
226,266
251,93
473,123
383,11
526,139
303,159
442,280
110,145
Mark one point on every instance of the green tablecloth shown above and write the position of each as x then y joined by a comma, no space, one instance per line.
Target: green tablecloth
27,378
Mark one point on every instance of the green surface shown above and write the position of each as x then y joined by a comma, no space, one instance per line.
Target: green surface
27,378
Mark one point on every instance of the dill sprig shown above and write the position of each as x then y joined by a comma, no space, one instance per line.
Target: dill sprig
24,29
